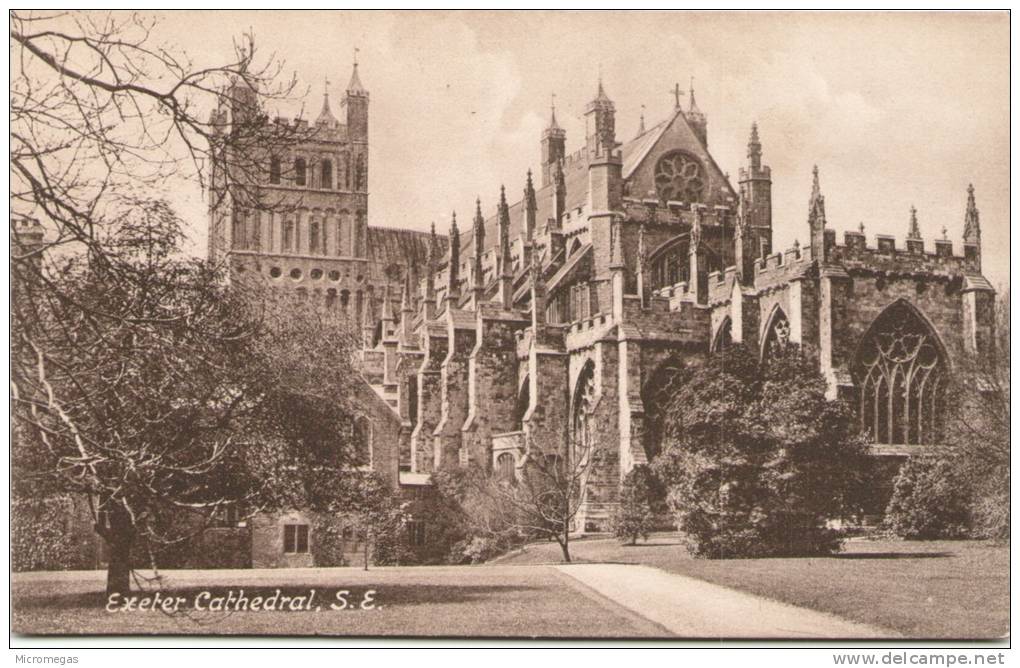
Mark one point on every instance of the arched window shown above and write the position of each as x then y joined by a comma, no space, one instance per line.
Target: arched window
288,235
657,392
359,174
347,171
238,231
358,234
313,237
362,441
580,424
345,299
343,233
723,337
300,172
900,372
505,468
331,298
326,178
255,235
412,399
777,336
274,170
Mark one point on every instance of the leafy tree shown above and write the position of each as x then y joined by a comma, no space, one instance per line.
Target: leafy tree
642,503
930,500
755,459
147,385
977,430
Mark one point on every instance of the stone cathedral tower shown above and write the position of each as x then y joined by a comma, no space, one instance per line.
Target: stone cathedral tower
309,234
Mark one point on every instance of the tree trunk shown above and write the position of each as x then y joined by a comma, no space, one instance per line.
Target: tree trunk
565,544
119,534
118,571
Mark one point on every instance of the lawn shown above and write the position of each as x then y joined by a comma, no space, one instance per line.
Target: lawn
939,589
513,601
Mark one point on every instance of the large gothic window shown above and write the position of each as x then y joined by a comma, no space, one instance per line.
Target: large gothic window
679,176
299,171
657,391
777,336
900,373
582,437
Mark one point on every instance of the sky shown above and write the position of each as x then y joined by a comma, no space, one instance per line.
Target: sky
895,109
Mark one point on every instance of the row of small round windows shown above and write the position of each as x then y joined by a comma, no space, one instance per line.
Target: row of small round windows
296,274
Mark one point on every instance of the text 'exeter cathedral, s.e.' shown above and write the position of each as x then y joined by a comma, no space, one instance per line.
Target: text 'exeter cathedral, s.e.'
559,306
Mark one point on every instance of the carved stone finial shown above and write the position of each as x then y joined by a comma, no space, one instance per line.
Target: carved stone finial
914,231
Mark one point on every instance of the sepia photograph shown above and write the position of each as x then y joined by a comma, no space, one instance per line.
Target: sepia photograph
590,327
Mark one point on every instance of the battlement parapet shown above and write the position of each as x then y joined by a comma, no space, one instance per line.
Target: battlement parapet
720,285
781,268
912,257
318,131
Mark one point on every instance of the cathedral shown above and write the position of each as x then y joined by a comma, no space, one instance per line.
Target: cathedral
545,320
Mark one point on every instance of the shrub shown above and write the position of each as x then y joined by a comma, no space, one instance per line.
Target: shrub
929,501
642,501
756,460
51,533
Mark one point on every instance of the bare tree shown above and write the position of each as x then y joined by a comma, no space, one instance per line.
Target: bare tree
542,500
137,378
99,107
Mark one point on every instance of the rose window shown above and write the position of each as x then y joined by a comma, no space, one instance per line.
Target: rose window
679,176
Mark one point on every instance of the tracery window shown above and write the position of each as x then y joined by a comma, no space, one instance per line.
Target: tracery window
505,467
777,338
679,176
900,373
582,437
